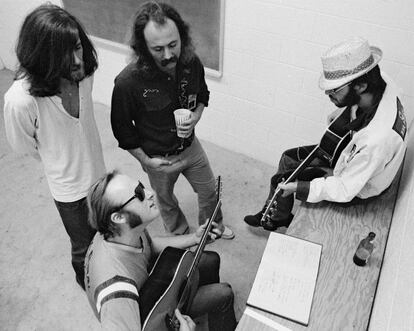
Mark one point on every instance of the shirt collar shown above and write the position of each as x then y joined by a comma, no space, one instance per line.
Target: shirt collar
363,118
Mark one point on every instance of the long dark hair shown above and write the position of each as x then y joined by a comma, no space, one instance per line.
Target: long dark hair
158,13
45,49
375,83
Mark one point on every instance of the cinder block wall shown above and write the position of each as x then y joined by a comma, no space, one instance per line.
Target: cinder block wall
267,99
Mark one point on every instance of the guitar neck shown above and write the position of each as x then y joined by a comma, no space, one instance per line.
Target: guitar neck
203,241
302,166
183,302
331,145
291,178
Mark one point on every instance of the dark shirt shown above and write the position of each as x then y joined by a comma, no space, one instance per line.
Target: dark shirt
362,118
142,106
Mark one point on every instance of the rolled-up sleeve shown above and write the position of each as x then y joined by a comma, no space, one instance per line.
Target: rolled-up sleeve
123,104
302,191
204,95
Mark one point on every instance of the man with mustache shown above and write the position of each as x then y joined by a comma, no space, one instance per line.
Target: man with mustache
48,114
368,164
166,75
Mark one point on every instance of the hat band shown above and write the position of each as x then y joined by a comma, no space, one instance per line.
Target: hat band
332,75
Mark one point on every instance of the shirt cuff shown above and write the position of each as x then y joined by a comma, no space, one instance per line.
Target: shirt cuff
203,97
302,191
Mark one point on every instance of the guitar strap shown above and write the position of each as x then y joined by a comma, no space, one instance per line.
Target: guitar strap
116,287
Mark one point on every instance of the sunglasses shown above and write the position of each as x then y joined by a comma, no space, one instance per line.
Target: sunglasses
336,90
139,193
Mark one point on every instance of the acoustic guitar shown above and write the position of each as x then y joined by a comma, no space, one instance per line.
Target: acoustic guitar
333,142
173,282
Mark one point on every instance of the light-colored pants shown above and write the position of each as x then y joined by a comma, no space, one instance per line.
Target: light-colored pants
194,165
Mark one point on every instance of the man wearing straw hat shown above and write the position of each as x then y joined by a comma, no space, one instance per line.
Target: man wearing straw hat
167,76
353,81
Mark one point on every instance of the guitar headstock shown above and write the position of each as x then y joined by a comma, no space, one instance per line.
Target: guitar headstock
218,187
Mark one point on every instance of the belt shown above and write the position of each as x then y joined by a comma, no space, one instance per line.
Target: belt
176,152
185,144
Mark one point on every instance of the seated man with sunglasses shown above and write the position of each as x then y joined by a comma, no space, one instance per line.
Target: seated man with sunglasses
353,82
121,255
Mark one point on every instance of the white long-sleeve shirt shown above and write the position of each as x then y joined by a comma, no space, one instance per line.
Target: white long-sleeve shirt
69,148
369,163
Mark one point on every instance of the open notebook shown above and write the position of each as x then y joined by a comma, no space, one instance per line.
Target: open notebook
286,278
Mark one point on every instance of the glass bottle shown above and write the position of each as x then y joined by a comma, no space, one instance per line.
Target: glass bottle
364,250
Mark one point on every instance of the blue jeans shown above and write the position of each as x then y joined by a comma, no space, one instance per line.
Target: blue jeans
212,297
75,219
194,165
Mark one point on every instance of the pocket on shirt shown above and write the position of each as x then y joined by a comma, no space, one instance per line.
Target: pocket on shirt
157,103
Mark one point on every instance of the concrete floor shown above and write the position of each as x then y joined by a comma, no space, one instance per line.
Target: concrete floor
37,287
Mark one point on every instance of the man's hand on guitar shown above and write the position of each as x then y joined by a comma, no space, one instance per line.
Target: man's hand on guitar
333,115
213,234
186,323
288,188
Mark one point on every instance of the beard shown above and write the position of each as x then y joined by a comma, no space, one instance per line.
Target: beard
350,99
133,219
77,75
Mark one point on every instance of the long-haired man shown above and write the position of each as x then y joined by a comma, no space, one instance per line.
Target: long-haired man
167,75
49,114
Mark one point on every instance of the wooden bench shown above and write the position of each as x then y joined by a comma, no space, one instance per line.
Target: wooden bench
344,293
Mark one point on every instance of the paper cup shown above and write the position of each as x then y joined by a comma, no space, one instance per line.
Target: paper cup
181,115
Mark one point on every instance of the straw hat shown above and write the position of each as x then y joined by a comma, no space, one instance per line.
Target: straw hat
346,61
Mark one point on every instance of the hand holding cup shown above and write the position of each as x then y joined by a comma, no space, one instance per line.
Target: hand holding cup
184,122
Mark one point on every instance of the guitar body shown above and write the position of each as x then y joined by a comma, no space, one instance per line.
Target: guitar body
335,139
164,287
173,282
333,142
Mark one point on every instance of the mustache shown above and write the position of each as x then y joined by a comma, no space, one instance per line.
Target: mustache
165,62
75,67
